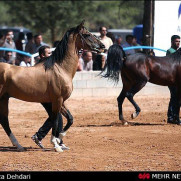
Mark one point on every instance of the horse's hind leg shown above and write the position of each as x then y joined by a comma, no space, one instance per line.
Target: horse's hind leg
130,94
66,113
5,122
120,101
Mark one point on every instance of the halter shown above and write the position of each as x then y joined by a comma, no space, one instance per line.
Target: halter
85,41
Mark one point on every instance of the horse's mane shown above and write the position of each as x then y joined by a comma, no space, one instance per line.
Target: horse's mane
59,53
176,56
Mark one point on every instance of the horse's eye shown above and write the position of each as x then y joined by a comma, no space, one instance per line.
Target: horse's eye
86,35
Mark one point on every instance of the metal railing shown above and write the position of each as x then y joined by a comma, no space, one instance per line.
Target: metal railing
52,49
23,53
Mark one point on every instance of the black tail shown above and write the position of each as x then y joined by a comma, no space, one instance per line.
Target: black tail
114,62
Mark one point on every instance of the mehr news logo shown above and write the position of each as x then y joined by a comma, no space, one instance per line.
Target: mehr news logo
143,176
159,176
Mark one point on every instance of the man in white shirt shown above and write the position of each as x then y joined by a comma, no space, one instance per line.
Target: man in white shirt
104,39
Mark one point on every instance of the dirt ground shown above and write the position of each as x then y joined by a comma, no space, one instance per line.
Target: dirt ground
97,141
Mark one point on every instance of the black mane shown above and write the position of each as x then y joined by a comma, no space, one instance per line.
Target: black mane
59,53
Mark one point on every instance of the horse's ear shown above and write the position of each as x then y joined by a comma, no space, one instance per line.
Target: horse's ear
79,27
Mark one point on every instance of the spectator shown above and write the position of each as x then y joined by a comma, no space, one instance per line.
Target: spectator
26,61
98,63
38,39
8,58
18,61
111,35
2,40
20,45
174,106
9,42
44,51
134,42
79,66
129,43
30,45
104,39
86,62
20,42
119,41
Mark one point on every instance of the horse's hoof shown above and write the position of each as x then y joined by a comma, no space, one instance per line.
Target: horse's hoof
58,149
134,115
124,123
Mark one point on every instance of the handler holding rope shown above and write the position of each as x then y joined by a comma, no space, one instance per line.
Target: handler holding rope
44,51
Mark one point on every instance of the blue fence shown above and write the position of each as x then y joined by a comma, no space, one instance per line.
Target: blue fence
143,47
127,48
18,51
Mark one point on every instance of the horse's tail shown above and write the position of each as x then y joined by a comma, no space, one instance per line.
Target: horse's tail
114,62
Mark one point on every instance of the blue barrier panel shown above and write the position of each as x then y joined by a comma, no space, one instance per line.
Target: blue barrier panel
18,51
127,48
143,47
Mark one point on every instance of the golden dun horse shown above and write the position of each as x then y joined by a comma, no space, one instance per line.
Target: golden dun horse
50,81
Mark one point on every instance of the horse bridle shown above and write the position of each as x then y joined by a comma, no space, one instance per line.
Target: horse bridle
95,50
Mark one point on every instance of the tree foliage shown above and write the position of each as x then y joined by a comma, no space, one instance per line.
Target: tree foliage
53,18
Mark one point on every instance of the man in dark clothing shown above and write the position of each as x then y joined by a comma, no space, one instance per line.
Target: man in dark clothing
7,57
174,106
44,51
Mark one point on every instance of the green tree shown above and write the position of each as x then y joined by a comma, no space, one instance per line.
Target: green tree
5,16
48,16
53,18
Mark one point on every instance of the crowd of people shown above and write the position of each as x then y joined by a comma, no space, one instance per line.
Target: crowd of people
31,45
88,61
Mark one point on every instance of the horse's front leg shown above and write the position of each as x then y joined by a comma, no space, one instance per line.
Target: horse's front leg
66,113
130,94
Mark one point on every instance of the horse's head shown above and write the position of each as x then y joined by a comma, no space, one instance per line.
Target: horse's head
87,40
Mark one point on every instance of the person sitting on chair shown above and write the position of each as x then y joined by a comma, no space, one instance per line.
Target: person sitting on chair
44,51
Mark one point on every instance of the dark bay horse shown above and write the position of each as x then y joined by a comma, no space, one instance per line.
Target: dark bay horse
49,81
138,69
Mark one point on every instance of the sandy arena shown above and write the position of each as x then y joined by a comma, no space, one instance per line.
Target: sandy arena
97,140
